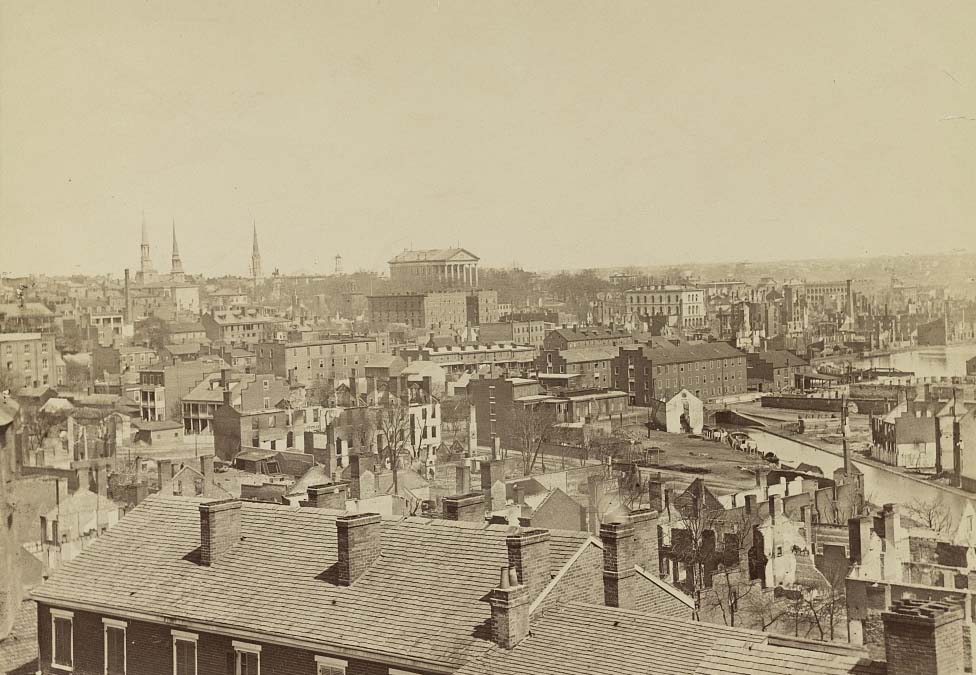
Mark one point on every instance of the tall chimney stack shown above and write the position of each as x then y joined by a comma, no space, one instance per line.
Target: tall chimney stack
469,508
528,554
360,543
619,574
923,638
220,528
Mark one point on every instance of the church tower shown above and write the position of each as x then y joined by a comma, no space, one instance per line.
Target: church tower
255,258
177,267
146,271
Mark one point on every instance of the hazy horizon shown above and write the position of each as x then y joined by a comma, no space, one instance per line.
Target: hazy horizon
555,135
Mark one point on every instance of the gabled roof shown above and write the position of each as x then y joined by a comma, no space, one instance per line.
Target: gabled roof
577,638
422,599
698,493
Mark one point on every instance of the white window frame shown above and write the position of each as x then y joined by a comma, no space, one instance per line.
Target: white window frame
330,662
179,635
245,647
118,625
70,616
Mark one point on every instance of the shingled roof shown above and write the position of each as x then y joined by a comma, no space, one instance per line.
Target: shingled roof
578,638
423,599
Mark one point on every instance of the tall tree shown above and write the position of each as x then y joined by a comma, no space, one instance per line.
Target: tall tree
529,428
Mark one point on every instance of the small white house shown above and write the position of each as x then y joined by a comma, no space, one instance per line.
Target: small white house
684,413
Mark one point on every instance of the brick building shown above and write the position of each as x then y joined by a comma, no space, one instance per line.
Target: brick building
350,594
684,306
30,360
775,370
708,369
518,332
587,336
435,310
237,327
162,389
586,367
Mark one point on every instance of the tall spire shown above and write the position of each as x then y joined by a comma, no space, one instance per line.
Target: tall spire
177,266
255,256
145,232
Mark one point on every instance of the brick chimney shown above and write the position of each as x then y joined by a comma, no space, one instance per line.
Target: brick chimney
859,535
220,528
468,507
207,469
164,469
491,472
360,543
463,480
328,496
361,476
101,480
509,610
923,638
619,575
646,543
528,555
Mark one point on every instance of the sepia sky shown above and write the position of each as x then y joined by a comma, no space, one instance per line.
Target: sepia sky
549,133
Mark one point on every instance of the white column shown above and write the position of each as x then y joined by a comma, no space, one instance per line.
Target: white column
476,277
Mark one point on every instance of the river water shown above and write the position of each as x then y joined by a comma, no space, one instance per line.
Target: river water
881,487
925,361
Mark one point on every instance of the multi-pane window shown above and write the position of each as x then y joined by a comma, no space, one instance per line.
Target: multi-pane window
247,659
115,658
326,665
184,653
62,645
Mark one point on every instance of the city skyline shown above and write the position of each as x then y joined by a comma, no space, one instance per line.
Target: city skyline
603,139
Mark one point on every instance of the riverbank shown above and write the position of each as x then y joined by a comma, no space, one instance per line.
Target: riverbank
873,463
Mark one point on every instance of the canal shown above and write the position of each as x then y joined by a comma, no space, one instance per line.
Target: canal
881,487
925,361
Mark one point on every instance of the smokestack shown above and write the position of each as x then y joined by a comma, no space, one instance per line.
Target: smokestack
128,298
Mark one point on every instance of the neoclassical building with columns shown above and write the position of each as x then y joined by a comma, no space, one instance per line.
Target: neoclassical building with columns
450,266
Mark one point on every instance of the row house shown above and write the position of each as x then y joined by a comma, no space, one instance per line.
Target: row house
436,310
248,327
585,336
467,358
312,362
531,333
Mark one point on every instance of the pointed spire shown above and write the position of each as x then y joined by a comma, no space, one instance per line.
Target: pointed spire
145,232
176,247
177,264
255,250
255,256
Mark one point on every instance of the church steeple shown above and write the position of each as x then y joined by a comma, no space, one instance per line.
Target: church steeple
177,266
146,271
255,257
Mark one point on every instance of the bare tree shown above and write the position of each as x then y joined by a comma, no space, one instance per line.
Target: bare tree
393,422
933,514
456,420
530,427
728,593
